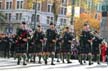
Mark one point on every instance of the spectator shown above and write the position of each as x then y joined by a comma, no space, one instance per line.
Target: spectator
103,51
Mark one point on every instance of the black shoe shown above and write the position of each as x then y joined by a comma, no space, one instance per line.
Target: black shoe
81,63
58,61
31,61
90,63
52,64
39,62
45,62
98,63
69,62
84,61
24,64
63,61
18,63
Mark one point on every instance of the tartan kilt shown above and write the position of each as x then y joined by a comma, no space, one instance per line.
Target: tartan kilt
50,47
87,49
21,48
66,48
58,49
31,49
96,50
35,48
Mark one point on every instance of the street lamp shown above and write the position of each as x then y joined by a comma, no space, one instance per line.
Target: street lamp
35,15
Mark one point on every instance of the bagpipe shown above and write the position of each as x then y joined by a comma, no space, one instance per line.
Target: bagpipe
21,37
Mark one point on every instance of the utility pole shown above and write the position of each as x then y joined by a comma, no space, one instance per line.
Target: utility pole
35,16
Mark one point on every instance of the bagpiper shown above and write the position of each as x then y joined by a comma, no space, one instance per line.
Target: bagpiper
22,38
97,40
66,45
51,35
87,44
38,39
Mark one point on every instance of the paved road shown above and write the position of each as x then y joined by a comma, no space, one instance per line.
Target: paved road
10,65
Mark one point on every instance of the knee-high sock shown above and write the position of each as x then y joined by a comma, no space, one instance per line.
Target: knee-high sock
63,57
84,57
52,57
24,58
80,58
58,57
19,58
90,58
98,58
68,56
39,58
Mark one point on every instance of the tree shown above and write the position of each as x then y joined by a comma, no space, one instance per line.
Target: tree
2,18
30,3
55,9
94,23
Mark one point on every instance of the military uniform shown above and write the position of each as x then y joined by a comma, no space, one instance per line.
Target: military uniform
50,44
37,47
96,48
38,36
87,48
58,47
66,46
22,44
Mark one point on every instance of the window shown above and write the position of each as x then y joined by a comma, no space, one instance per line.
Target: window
0,5
19,4
8,5
38,6
50,19
64,2
104,8
38,18
62,21
33,17
63,10
18,16
8,16
49,8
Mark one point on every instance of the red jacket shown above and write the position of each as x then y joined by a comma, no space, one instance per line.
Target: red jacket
103,49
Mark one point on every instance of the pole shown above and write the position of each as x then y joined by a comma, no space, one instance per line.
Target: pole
72,17
35,16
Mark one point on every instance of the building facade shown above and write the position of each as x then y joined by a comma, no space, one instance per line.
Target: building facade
17,11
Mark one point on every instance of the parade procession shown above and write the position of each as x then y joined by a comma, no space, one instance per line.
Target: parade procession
53,35
38,46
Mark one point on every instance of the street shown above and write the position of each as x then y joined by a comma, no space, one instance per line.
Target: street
10,65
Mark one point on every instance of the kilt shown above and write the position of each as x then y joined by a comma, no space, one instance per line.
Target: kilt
36,48
50,47
31,49
58,49
96,50
21,48
87,49
66,48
